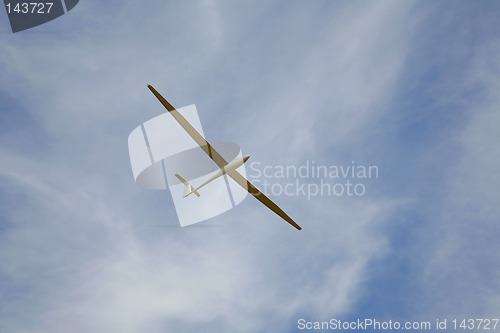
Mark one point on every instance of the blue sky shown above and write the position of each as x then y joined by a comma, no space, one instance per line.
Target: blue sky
412,87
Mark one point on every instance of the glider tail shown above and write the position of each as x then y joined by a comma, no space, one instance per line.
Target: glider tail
189,188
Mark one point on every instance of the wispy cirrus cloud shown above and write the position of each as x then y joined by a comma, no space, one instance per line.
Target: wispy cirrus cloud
306,81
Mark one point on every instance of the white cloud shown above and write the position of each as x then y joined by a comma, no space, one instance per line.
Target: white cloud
463,262
81,249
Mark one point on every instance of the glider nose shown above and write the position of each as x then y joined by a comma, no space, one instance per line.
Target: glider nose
245,158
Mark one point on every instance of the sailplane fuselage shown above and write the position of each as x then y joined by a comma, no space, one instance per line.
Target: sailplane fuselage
231,166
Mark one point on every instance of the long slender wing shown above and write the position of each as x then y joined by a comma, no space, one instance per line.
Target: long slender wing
243,182
220,161
200,140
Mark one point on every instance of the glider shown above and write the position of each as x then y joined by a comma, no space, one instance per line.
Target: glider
228,168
